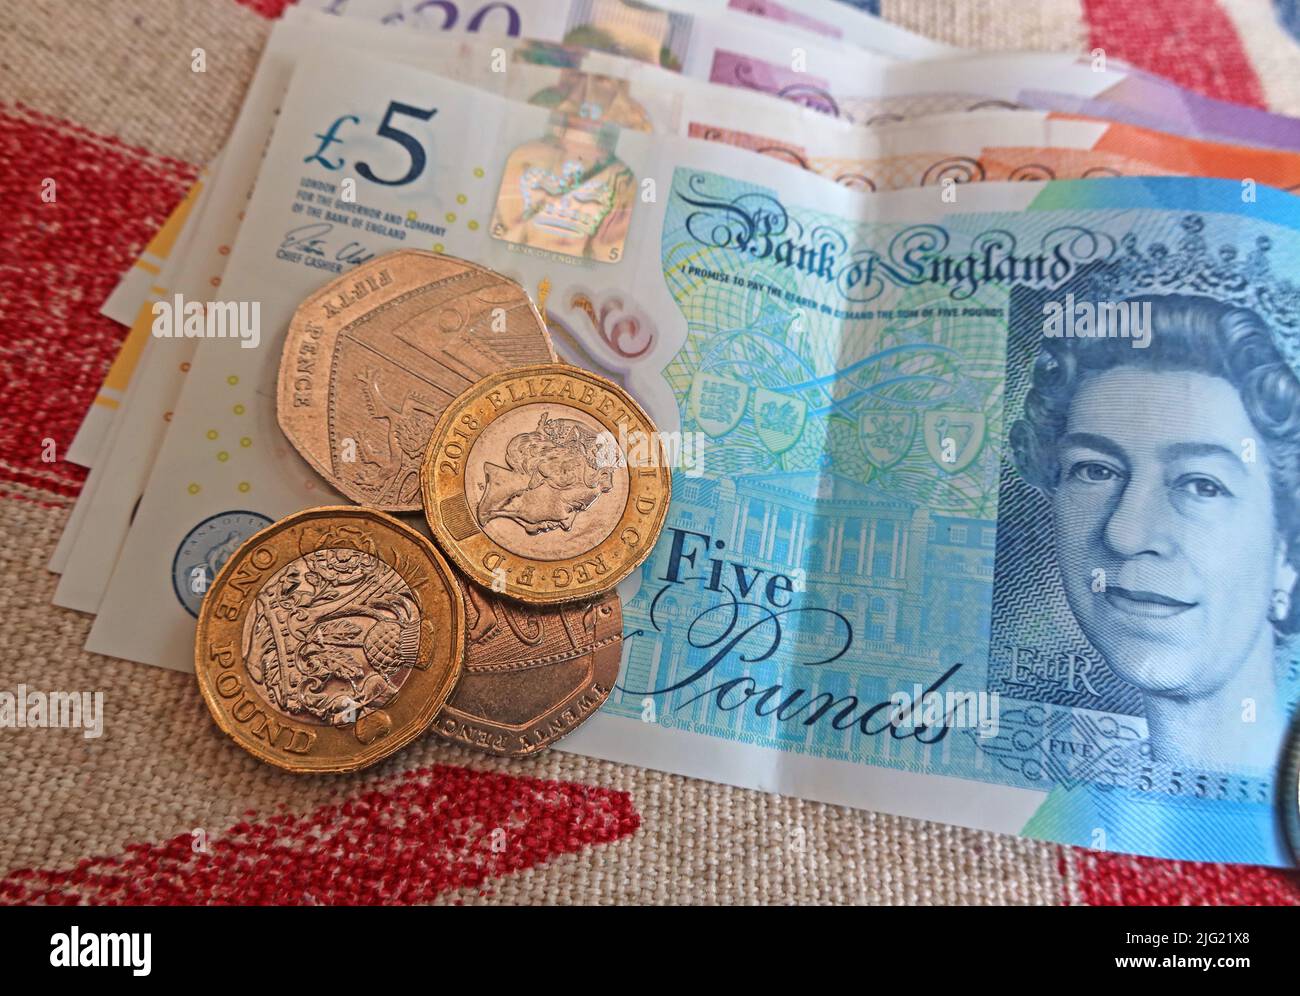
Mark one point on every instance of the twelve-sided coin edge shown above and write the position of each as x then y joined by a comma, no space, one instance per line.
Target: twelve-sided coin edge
432,495
363,755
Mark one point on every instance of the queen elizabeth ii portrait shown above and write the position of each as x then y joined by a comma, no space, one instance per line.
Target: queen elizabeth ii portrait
1173,472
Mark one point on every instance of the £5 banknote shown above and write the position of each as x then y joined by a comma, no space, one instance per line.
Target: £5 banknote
982,510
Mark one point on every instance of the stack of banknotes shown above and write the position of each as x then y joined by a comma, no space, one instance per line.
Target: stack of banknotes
980,374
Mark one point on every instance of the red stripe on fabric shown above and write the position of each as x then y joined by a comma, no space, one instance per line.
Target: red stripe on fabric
72,128
7,495
1124,880
61,259
54,480
406,840
1063,864
1191,42
267,8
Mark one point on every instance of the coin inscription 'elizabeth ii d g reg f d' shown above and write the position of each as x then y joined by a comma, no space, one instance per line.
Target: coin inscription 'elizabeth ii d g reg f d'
546,484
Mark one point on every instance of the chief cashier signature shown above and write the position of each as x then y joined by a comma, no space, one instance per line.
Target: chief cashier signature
310,240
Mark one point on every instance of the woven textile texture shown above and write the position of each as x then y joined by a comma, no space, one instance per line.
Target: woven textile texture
100,96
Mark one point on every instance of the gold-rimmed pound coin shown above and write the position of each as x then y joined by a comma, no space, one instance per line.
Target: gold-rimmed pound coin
330,640
546,484
372,358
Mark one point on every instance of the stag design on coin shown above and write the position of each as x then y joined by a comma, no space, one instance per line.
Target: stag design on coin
552,475
335,632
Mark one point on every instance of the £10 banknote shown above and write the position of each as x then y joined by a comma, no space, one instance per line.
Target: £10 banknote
982,508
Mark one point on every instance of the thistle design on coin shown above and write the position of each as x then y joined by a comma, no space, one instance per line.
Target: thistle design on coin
372,359
533,673
330,639
530,489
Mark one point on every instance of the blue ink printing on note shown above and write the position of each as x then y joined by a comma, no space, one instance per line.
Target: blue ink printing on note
205,550
1051,457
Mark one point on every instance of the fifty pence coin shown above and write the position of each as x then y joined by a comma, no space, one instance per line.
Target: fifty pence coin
532,673
547,484
330,639
372,359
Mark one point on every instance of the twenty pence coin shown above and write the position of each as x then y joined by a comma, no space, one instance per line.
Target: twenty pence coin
533,673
